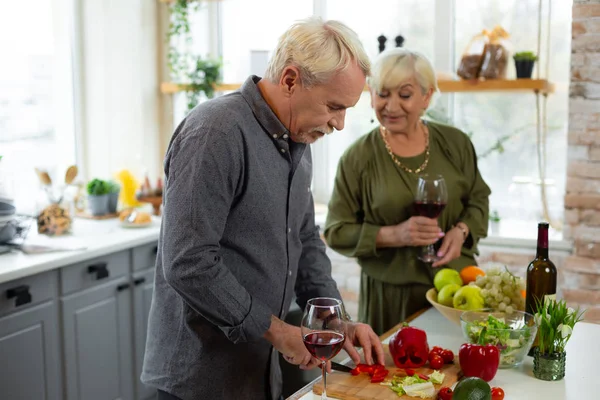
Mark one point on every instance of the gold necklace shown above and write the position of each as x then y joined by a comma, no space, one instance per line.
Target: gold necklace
384,133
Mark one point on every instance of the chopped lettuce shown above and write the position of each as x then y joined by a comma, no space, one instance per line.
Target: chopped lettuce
423,390
437,377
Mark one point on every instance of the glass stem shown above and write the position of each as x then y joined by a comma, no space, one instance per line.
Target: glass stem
324,372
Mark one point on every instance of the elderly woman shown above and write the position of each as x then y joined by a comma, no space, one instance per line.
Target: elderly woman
371,213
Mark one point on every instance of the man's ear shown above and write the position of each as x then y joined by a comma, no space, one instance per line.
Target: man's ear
290,80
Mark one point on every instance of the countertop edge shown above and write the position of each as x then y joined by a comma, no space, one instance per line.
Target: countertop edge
75,256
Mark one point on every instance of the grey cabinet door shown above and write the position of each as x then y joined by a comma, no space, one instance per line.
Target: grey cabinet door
30,354
142,298
98,342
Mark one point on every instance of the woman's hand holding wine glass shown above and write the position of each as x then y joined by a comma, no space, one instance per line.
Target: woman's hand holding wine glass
430,201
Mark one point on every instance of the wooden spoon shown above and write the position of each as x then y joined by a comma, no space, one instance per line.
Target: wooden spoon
71,174
44,177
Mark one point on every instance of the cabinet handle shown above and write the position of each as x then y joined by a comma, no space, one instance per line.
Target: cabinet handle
21,294
139,281
122,287
100,270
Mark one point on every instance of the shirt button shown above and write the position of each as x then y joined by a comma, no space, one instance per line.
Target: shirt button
289,230
282,150
308,189
285,136
274,136
290,273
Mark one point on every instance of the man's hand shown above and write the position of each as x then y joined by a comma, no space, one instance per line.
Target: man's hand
358,334
287,339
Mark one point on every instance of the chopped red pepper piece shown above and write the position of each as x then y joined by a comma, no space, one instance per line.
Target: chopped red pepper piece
409,372
423,376
355,371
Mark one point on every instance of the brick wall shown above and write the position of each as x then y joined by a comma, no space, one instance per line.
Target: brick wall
581,271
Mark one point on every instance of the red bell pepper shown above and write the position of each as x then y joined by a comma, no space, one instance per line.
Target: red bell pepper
409,348
480,361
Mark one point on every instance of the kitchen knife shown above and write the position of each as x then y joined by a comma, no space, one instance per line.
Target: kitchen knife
340,367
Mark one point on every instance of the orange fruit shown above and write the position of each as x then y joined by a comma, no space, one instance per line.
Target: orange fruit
470,273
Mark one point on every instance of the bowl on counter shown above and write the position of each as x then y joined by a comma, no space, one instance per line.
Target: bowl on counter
6,208
512,333
451,313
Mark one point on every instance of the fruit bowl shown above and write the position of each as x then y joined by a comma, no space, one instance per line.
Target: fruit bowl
512,333
452,314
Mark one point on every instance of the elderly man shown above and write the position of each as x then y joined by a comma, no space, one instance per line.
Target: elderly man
238,237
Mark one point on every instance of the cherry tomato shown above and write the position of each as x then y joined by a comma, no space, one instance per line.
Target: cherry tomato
436,362
448,356
445,393
497,393
409,372
436,351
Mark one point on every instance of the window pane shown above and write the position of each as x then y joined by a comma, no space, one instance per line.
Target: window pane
513,175
414,20
36,125
246,43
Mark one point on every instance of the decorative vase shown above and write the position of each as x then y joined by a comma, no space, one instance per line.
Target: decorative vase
524,68
549,367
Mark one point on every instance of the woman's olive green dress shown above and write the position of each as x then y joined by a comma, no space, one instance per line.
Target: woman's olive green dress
371,191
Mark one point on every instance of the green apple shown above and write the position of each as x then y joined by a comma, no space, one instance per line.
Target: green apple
446,295
446,276
468,298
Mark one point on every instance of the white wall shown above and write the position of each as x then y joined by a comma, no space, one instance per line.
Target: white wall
118,67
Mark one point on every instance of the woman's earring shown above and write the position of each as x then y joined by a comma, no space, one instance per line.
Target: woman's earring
372,119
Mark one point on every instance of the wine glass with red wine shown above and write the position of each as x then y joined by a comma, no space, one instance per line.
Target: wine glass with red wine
430,201
324,331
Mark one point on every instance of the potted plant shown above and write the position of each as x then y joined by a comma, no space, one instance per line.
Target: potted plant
524,61
113,196
555,323
97,190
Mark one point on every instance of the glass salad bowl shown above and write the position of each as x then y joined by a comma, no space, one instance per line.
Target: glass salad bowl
512,333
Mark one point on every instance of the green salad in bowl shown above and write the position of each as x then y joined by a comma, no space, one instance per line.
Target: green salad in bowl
512,333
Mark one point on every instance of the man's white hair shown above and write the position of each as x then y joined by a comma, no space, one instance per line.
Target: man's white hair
319,50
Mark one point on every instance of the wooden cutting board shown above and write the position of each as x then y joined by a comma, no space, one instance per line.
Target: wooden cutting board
345,386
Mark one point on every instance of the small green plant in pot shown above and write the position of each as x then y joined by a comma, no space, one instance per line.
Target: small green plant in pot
98,195
555,322
113,196
524,62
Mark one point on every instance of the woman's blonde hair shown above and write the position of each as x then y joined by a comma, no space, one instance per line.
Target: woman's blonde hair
396,65
318,49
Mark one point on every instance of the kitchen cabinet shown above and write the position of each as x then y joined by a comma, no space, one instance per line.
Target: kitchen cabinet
97,333
30,354
143,285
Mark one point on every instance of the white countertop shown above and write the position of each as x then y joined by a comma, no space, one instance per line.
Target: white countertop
581,381
93,238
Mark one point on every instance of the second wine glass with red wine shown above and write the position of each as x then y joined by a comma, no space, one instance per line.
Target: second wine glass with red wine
430,201
323,329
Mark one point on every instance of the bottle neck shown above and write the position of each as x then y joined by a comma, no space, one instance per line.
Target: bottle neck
542,242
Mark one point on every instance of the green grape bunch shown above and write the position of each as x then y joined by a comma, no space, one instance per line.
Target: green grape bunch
501,290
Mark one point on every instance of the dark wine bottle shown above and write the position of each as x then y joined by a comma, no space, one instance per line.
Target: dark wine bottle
541,276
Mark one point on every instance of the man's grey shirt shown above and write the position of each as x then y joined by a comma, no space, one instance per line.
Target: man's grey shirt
238,238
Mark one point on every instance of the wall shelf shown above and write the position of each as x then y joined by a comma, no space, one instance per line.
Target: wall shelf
446,86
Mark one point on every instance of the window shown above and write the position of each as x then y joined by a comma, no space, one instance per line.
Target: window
513,175
441,29
36,103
